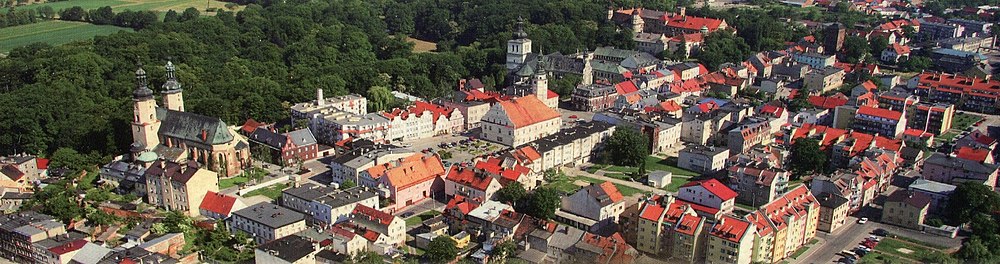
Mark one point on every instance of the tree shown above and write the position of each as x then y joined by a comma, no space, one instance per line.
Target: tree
75,13
722,47
348,184
970,199
855,49
878,44
627,147
379,99
916,64
444,154
975,250
806,157
511,193
442,250
158,229
101,16
189,14
502,251
70,159
542,203
171,16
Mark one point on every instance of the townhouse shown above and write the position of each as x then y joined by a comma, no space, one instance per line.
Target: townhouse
757,183
703,159
662,131
938,192
509,170
750,133
710,193
572,146
966,93
471,183
879,121
660,222
406,181
364,154
179,187
832,212
266,222
519,121
730,240
286,149
824,79
327,205
217,206
906,208
383,231
598,204
423,120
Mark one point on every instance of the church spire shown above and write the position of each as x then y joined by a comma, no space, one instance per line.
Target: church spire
173,99
171,85
142,90
519,29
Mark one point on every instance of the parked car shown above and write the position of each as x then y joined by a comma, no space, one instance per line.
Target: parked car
860,253
863,220
407,214
864,248
876,238
881,232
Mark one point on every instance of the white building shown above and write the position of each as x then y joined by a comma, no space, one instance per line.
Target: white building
519,121
266,222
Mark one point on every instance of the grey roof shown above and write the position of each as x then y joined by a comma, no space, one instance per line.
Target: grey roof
158,240
831,201
302,137
137,255
329,195
932,186
358,157
704,150
91,253
659,174
568,135
915,199
270,215
565,237
826,71
290,248
193,127
16,196
268,138
953,162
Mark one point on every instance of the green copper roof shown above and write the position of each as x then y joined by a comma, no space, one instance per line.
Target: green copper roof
193,127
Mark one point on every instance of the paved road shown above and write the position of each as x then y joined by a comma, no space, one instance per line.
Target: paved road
574,171
848,237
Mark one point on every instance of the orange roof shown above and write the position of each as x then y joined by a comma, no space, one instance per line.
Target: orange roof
626,87
730,228
913,132
688,224
218,203
691,22
527,110
612,191
791,205
372,214
462,204
761,223
900,49
879,112
869,85
961,84
614,248
408,171
493,166
689,38
828,102
715,187
670,106
526,155
651,212
973,154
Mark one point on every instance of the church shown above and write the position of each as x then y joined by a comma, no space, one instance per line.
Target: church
528,71
169,133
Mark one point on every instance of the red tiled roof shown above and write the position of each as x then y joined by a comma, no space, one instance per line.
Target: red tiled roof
772,110
761,222
218,203
651,212
879,112
913,132
551,94
957,83
462,204
369,213
973,154
730,228
250,125
626,87
42,163
527,110
828,102
900,49
669,106
337,231
715,187
691,22
468,177
370,235
68,247
869,85
689,38
526,155
688,224
614,247
11,172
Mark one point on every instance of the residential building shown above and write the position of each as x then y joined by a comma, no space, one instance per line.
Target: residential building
471,183
897,100
652,21
710,193
962,62
730,240
351,103
657,225
794,217
363,155
266,222
824,79
327,205
965,92
21,233
572,146
519,121
703,159
906,208
934,31
600,203
346,242
217,206
938,192
128,176
973,28
689,238
932,118
179,187
947,169
972,44
594,97
652,43
814,60
895,53
291,249
601,249
286,149
879,121
172,134
662,131
758,183
509,169
406,181
423,120
832,212
19,171
391,230
750,133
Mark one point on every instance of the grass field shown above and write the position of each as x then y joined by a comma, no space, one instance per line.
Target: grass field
135,5
52,32
420,218
911,251
273,191
422,46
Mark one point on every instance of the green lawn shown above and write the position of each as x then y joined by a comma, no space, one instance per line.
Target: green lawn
804,248
420,218
676,183
669,164
893,247
52,32
961,121
625,190
879,258
273,191
230,182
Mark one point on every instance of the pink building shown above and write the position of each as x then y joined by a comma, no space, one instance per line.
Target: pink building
406,181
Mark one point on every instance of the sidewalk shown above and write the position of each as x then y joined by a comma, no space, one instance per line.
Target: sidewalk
574,171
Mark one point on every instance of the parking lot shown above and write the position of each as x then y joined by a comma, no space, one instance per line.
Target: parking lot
461,147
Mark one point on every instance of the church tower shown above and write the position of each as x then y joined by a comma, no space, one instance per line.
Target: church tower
144,122
541,80
173,98
519,47
637,22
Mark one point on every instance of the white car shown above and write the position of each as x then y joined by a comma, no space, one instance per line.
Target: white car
874,237
863,220
866,249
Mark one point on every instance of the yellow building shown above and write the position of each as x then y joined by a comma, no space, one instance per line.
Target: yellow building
763,239
794,218
832,212
906,208
670,229
731,240
179,186
689,240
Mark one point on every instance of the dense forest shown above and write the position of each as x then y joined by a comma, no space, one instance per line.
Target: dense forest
257,62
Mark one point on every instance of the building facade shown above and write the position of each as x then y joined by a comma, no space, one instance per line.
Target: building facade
266,222
179,187
519,121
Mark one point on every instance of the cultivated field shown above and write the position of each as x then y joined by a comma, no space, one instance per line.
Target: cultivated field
52,32
135,5
422,46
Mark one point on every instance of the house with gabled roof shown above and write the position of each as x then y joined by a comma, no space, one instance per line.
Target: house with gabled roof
710,193
179,186
380,228
731,240
470,182
906,208
407,180
601,204
217,206
287,149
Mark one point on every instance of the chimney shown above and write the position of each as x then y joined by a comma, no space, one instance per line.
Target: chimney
461,84
319,97
682,12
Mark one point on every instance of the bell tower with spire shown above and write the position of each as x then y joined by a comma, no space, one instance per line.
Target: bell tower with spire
518,47
173,97
144,122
